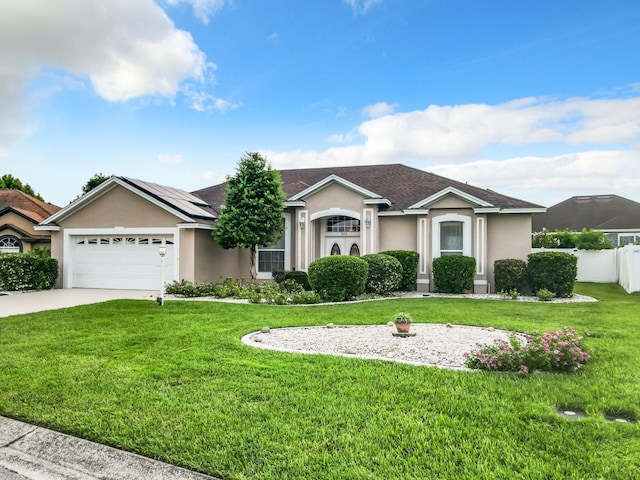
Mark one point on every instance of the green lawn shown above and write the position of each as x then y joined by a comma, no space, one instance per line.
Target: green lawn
175,383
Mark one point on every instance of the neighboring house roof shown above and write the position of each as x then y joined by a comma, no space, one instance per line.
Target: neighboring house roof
25,205
396,188
184,205
599,212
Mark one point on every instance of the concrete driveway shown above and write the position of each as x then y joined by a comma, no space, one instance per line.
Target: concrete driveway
29,302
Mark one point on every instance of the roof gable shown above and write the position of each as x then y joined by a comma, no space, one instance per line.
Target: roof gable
471,199
16,230
328,181
182,204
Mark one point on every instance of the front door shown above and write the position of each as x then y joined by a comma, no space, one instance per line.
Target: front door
343,245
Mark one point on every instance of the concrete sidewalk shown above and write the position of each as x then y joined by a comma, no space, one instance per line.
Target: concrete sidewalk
28,302
28,452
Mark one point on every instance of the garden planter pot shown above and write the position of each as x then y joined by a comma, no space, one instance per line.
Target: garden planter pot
403,327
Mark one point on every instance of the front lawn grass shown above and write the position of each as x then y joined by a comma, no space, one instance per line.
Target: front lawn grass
175,383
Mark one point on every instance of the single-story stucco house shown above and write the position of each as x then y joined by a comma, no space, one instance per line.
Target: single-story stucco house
19,213
109,237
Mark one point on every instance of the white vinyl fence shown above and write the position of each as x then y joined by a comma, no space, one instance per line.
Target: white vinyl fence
620,265
629,268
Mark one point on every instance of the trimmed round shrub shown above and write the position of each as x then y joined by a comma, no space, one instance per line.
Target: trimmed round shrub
385,274
509,274
300,277
339,277
409,261
454,273
554,271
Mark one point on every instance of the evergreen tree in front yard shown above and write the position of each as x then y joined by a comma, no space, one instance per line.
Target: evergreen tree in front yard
253,210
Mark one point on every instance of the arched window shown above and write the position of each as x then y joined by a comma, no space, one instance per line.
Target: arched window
340,223
335,249
10,244
355,250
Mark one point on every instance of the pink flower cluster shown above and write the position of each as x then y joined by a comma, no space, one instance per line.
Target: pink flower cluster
554,351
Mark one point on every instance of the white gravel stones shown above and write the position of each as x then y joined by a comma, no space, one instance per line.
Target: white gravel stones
434,344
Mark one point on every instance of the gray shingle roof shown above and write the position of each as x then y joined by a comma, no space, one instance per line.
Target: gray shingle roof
403,186
600,212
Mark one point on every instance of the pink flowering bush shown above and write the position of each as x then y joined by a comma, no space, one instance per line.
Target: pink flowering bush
554,351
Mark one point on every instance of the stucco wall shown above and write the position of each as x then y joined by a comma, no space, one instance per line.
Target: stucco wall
214,262
120,208
334,196
508,236
397,233
448,202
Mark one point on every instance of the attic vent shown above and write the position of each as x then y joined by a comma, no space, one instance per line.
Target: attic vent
603,198
583,199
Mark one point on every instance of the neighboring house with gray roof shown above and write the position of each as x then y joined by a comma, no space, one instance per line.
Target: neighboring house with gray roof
617,216
19,213
338,210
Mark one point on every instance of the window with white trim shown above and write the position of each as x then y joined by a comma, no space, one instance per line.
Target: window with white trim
451,238
274,256
271,257
451,235
10,244
341,223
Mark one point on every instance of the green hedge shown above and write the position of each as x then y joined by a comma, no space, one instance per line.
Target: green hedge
339,277
24,271
587,239
385,274
409,261
510,274
554,271
454,273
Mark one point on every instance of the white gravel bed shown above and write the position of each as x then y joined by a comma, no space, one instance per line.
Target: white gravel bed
495,296
434,344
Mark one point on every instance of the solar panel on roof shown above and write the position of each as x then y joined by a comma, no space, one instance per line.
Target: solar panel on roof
179,199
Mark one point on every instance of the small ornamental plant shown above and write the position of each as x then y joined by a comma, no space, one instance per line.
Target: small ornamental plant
402,318
554,351
545,295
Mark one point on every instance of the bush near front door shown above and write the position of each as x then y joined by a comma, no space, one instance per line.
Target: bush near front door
454,273
338,277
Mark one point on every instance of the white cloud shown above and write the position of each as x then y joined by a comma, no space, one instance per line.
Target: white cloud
170,159
360,7
461,132
202,9
602,136
211,177
379,109
557,177
126,49
202,101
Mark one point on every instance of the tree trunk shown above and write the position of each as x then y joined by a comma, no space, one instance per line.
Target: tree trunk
252,263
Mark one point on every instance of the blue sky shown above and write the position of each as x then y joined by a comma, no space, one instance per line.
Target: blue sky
538,100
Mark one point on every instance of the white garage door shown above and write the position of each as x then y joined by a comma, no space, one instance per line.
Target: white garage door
121,262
